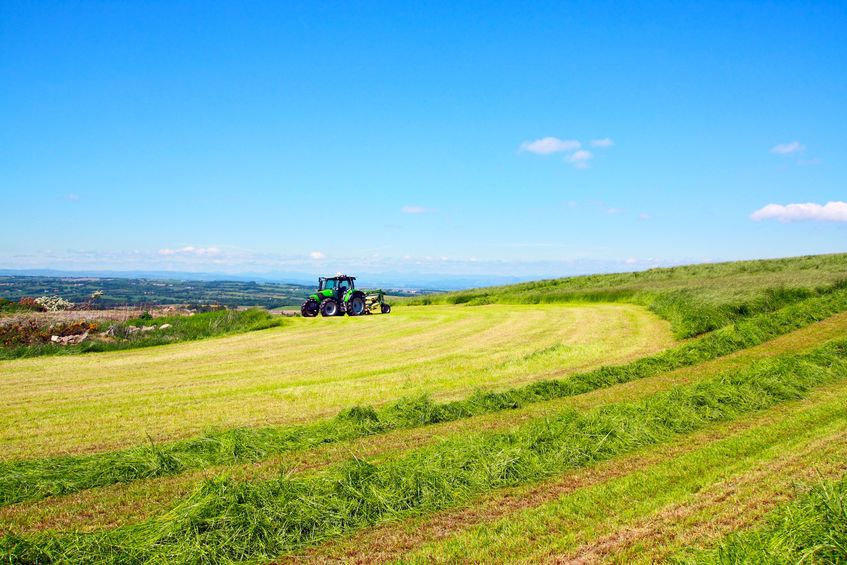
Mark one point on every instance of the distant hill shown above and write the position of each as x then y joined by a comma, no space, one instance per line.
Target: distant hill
123,291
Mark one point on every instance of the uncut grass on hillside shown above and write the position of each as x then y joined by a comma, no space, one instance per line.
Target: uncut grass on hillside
696,298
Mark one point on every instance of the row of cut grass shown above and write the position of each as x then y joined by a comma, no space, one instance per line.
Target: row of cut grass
38,478
812,529
226,520
602,513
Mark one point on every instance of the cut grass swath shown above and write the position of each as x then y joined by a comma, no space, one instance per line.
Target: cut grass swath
228,520
812,529
39,478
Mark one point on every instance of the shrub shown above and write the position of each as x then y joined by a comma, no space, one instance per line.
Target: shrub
53,303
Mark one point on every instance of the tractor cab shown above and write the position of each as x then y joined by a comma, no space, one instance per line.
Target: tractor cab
338,285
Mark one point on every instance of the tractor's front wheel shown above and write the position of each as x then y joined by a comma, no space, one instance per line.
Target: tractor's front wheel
356,306
309,309
329,307
386,308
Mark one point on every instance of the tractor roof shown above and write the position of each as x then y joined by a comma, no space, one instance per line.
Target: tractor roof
337,277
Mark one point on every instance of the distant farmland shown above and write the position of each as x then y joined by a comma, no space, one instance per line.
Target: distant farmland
121,292
139,292
695,414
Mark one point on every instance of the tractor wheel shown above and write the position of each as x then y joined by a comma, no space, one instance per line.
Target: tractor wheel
386,308
356,306
309,309
329,307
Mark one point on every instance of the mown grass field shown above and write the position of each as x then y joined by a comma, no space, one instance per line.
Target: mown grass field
304,370
563,426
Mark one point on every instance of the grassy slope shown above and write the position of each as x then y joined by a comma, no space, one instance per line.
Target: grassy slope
694,299
27,480
610,519
408,535
309,369
227,520
124,503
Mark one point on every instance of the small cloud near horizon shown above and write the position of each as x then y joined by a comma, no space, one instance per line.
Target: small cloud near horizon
605,142
580,158
548,145
317,255
191,250
788,148
73,197
810,211
575,154
416,210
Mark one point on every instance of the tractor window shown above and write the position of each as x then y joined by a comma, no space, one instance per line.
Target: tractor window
329,284
348,283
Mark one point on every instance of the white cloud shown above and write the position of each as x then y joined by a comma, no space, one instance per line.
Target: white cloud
416,210
605,142
317,255
191,250
643,216
788,148
829,212
548,145
580,158
73,197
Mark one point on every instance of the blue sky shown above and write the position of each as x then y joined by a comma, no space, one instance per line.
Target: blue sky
413,137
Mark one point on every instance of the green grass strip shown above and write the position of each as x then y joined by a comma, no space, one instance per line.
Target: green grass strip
227,520
812,529
35,479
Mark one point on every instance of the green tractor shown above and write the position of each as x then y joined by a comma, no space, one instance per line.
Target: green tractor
338,295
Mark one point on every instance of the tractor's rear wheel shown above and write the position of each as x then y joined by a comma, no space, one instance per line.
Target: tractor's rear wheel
309,309
386,308
356,306
329,307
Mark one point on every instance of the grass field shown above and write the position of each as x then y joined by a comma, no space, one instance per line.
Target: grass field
562,422
305,370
